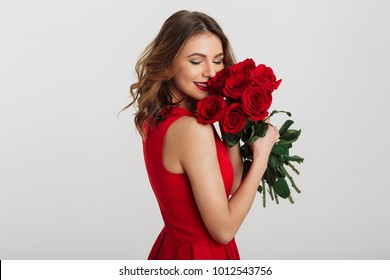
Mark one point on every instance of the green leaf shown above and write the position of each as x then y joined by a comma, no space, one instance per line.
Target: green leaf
248,124
281,188
277,112
274,160
285,126
261,129
253,139
231,139
283,142
291,134
270,175
281,171
258,129
280,150
240,134
293,158
248,133
278,174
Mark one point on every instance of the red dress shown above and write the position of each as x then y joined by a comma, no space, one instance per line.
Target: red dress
184,236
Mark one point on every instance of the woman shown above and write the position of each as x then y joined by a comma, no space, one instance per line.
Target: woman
196,178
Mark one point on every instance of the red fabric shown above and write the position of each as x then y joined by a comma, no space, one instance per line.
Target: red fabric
184,235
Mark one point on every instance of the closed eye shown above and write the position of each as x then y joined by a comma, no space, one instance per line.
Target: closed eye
219,62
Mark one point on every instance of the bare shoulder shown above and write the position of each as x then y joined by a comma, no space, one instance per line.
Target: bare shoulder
187,141
189,130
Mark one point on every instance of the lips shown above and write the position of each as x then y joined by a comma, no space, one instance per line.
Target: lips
202,86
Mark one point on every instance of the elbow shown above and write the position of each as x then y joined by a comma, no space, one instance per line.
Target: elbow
222,230
223,237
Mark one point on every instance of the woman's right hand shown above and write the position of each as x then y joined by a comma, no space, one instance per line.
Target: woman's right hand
264,145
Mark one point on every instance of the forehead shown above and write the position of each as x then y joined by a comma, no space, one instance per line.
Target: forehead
204,43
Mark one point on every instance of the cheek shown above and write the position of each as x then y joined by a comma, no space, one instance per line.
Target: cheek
192,74
180,76
184,81
219,67
187,75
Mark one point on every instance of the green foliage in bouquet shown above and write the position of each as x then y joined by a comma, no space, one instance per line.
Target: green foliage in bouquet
276,176
240,100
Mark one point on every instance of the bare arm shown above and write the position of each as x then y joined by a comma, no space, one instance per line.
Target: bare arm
197,155
236,159
237,163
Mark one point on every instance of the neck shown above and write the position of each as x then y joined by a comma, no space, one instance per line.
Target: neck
185,102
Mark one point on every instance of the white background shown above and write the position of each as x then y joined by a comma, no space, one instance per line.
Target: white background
72,179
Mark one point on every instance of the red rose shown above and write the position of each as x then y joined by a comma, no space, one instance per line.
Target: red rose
264,76
210,109
235,85
256,102
234,119
243,67
217,83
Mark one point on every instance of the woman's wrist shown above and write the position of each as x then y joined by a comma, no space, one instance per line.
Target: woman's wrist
260,157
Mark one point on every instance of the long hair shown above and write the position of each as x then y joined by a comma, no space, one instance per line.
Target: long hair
155,68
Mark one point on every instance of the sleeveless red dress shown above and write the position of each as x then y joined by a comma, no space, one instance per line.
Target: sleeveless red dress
184,236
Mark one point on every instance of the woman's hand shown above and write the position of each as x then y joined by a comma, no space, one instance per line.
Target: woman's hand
264,145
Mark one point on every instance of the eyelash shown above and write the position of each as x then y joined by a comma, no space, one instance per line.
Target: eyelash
198,62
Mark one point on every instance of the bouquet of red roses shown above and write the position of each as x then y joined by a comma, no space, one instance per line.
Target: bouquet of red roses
240,99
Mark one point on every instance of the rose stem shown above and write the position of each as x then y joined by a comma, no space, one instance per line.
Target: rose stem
276,198
271,193
293,167
291,179
264,191
291,199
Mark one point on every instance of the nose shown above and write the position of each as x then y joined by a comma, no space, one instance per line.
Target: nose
209,70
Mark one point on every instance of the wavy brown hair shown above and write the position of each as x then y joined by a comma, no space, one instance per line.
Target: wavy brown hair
156,66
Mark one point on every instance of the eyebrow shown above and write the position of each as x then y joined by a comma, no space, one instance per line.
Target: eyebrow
203,55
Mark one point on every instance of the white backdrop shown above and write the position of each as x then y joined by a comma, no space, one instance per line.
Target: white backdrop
72,178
